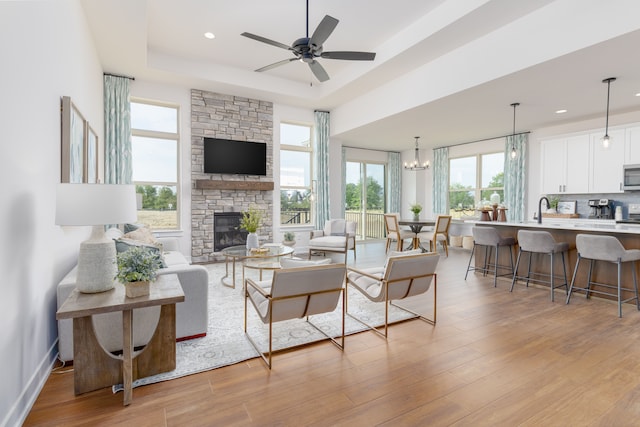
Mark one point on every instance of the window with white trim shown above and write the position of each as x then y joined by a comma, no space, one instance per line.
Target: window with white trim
296,151
472,181
155,146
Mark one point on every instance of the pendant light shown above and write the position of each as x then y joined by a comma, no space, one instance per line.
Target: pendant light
606,140
416,165
514,153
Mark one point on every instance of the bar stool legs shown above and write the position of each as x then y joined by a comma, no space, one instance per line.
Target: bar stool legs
609,249
552,275
490,239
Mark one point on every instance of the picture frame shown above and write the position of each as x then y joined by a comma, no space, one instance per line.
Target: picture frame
91,156
567,207
73,143
79,148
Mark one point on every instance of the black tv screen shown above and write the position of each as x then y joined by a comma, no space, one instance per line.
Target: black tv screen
235,157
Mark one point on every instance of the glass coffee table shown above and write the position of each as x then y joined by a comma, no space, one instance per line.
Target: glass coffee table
267,254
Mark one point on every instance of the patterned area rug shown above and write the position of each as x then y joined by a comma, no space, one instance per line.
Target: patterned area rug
226,344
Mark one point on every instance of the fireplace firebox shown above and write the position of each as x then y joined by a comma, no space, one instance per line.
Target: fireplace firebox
227,231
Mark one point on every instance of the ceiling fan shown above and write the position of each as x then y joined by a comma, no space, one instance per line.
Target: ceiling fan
308,49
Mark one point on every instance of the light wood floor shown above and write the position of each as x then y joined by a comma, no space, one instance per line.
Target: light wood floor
494,358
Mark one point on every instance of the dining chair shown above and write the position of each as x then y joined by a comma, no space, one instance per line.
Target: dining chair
395,233
439,234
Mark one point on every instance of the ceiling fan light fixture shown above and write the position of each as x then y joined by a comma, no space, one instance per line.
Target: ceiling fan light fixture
606,139
416,165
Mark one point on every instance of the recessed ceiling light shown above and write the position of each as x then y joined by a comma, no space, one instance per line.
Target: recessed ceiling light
209,35
561,111
638,94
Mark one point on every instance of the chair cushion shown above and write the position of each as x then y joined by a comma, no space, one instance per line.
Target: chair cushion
370,286
296,262
331,242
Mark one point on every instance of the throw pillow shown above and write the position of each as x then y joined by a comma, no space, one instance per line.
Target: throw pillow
123,244
132,227
144,235
296,262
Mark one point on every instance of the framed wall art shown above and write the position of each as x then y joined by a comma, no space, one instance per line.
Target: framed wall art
79,153
91,156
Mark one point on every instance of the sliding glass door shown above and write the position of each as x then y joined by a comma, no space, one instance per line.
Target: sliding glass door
365,198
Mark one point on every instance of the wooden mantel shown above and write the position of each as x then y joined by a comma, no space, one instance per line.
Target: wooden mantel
207,184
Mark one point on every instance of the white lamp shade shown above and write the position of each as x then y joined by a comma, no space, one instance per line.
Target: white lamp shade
95,204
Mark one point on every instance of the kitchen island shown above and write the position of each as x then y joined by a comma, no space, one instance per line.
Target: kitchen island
565,230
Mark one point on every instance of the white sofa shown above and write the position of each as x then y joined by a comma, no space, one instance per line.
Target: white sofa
191,315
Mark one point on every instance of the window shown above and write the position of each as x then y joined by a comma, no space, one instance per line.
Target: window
295,174
154,140
472,180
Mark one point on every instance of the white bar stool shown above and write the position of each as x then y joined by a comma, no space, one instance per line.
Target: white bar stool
541,242
490,239
605,248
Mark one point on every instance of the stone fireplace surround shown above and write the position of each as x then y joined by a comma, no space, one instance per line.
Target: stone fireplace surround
231,117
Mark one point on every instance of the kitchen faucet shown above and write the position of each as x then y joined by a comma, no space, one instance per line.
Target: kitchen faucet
540,208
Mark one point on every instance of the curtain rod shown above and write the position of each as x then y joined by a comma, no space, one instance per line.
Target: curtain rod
370,149
482,140
118,75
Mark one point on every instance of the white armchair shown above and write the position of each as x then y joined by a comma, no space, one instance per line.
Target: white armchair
296,293
402,276
338,236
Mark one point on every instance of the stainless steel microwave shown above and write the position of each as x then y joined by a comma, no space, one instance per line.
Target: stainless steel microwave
631,177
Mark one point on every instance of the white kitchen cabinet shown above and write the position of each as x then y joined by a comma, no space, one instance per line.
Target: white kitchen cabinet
565,165
606,169
632,146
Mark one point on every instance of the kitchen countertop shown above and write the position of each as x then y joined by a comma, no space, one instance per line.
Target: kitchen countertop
578,224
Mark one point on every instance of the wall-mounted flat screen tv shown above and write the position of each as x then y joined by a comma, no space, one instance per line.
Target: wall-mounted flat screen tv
235,157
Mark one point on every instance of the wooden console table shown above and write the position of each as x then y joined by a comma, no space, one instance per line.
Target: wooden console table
95,368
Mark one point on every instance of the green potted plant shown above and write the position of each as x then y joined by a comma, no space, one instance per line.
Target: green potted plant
416,208
553,204
289,238
137,267
250,221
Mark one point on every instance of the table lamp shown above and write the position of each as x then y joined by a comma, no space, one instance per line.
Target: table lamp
96,205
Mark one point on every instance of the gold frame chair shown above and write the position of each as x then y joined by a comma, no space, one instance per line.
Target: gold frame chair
402,276
293,293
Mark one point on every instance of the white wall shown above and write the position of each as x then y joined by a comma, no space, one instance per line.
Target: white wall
47,53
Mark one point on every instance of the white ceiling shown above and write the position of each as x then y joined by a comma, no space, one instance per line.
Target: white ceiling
162,40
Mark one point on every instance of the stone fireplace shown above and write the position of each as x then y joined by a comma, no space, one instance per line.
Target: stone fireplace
229,117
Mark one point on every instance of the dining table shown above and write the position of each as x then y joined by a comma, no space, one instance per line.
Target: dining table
416,227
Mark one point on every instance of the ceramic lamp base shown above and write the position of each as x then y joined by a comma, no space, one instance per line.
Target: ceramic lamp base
96,266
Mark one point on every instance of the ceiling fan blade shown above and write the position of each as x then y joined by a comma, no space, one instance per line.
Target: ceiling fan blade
267,41
318,71
276,64
324,30
351,56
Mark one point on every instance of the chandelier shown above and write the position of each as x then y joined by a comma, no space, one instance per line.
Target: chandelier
416,165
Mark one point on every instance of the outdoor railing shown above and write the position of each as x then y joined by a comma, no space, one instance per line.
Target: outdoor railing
370,225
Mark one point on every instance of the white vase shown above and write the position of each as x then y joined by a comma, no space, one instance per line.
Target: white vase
252,241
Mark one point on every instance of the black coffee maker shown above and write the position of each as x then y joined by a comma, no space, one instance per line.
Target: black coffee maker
600,209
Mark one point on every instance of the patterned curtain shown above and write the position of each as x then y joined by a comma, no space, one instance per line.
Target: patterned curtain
440,180
515,176
321,167
394,174
343,203
117,130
